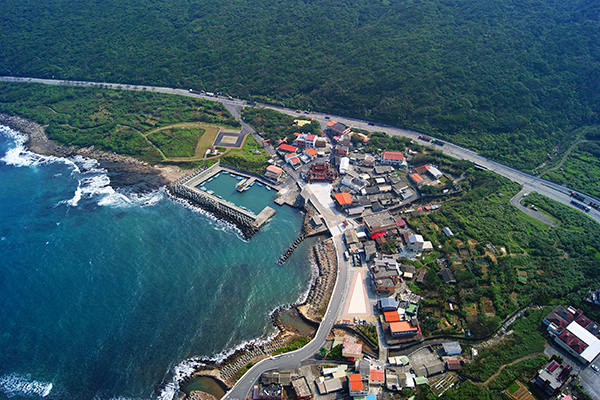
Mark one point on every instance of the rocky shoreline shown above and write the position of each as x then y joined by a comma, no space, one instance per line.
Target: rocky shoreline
133,175
124,171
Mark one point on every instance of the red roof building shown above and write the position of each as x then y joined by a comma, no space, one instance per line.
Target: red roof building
274,173
343,199
453,365
355,384
376,377
391,316
416,178
351,349
287,148
393,158
422,169
403,328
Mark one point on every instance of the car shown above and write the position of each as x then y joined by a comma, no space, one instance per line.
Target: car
595,368
326,117
371,124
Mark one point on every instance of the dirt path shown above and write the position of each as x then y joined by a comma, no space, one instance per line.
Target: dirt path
486,383
195,124
560,164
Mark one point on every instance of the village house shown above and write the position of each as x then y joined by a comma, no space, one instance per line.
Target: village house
379,222
574,332
417,179
353,181
337,128
384,273
285,148
394,158
311,153
273,173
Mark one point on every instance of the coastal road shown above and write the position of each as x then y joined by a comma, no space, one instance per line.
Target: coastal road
529,182
244,386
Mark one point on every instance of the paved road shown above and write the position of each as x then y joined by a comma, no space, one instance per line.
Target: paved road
516,202
531,183
243,387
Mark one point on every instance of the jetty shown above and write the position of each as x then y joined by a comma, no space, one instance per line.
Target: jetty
245,184
188,189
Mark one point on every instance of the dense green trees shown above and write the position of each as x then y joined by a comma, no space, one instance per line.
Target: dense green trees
509,78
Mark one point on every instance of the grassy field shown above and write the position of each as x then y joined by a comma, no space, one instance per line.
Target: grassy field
110,120
580,170
184,142
177,141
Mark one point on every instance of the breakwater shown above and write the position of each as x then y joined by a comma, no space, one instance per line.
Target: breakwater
186,188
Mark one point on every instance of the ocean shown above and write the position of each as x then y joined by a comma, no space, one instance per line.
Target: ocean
106,294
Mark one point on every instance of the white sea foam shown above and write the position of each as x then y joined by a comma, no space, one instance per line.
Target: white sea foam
22,385
93,182
180,373
18,155
217,224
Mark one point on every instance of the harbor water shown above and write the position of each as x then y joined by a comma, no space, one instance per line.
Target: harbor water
112,295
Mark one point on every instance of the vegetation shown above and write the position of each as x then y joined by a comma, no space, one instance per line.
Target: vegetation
110,120
297,343
580,170
177,142
527,338
371,332
274,125
466,390
335,353
502,258
523,371
510,79
251,157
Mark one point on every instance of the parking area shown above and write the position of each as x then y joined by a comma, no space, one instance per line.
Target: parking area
589,378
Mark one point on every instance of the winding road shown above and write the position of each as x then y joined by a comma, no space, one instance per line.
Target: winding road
530,183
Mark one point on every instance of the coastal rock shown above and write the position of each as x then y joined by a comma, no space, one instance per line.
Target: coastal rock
124,172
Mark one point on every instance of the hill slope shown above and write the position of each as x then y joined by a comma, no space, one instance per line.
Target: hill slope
508,78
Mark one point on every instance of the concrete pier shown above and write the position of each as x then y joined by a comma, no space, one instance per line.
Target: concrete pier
247,222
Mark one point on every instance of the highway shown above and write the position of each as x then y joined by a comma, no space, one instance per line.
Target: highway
530,183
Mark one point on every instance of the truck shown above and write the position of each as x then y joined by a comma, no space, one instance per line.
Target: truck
195,91
580,206
577,196
425,138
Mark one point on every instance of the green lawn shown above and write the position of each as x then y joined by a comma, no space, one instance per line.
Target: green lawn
178,141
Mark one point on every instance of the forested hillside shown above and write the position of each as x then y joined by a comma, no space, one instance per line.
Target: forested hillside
509,78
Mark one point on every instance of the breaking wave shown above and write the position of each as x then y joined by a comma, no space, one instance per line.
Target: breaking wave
22,385
92,181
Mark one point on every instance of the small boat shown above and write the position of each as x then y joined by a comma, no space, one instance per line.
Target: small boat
203,188
209,192
259,184
268,188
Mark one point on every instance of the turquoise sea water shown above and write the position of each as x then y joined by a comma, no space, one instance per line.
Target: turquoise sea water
115,295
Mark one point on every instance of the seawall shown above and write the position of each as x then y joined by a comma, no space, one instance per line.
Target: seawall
247,222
